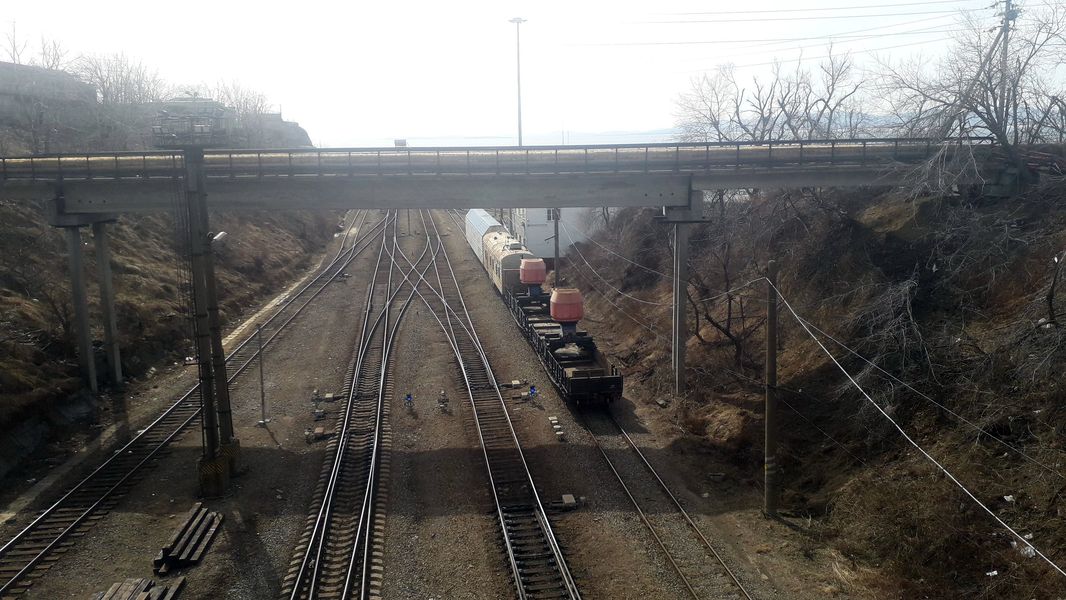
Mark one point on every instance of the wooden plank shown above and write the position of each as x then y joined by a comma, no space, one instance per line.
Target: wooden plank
188,549
110,593
185,525
201,548
125,589
174,588
189,535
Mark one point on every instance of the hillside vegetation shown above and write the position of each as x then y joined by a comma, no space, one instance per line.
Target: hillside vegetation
264,252
958,296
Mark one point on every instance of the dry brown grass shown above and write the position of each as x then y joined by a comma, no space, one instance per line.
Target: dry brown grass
946,293
37,358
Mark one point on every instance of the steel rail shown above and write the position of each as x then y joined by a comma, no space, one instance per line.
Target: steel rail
643,516
680,508
368,502
326,512
540,514
185,399
449,334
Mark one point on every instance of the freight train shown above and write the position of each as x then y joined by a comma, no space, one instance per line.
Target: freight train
576,367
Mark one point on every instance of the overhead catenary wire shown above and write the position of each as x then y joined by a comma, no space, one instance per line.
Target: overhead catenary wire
850,52
612,252
1022,539
818,18
648,269
825,8
938,404
768,41
644,325
605,282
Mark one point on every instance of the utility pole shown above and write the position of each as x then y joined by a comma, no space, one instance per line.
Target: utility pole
771,488
1008,16
679,329
518,54
262,382
557,213
214,469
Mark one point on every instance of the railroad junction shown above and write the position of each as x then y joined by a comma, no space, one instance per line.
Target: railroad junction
431,530
372,494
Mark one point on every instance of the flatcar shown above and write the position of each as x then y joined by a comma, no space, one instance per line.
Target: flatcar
576,367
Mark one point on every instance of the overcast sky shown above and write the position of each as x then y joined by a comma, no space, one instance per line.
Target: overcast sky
359,72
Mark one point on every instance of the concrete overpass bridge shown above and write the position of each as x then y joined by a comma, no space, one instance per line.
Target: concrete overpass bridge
472,177
92,189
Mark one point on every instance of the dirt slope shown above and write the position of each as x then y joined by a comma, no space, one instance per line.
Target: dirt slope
950,295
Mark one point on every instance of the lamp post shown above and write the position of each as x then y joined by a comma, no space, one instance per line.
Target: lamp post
518,54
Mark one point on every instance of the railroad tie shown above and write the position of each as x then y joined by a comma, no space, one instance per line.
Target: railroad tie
141,589
189,542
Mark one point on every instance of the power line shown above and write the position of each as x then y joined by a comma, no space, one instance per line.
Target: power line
828,37
802,58
911,441
819,18
821,9
605,282
938,404
608,250
647,327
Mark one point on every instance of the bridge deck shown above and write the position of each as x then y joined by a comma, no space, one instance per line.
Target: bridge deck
616,175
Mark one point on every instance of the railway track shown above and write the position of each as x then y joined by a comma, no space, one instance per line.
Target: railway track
38,545
337,555
533,552
703,572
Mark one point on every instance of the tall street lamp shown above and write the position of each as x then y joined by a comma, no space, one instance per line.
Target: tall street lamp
518,53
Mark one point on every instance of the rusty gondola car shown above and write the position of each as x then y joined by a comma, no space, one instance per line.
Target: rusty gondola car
576,367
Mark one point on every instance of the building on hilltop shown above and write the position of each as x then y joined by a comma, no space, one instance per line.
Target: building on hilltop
42,110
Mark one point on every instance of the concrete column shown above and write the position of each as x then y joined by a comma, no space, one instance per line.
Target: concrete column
81,307
214,467
771,489
229,447
107,303
214,470
679,332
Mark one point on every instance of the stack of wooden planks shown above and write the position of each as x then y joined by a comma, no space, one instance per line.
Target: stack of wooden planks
190,541
142,589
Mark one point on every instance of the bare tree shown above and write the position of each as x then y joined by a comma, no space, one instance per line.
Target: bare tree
246,102
786,105
15,46
52,55
121,80
975,90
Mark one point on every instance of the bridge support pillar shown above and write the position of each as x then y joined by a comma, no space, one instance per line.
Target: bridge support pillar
107,303
681,218
679,329
220,447
81,307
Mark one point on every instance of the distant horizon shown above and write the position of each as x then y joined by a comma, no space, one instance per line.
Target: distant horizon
558,138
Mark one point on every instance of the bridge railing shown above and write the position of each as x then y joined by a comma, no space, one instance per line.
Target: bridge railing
494,161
